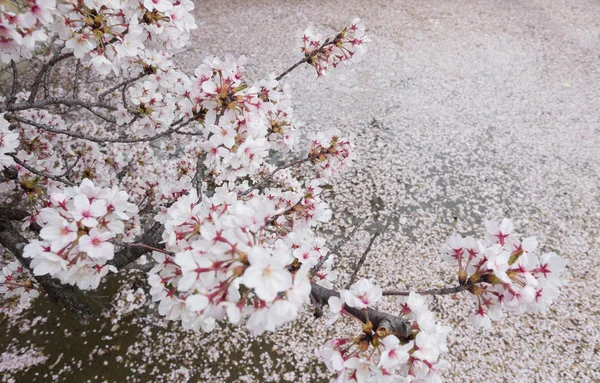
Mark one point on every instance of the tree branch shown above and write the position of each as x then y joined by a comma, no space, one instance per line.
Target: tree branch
381,321
337,248
42,73
41,173
151,237
123,83
270,175
15,83
56,101
99,139
306,59
361,261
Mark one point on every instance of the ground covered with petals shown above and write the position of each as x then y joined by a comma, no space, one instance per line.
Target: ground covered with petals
462,112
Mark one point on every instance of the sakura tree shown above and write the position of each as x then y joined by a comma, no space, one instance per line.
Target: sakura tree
111,154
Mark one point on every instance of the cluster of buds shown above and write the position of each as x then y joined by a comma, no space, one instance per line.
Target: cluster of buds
347,46
331,153
503,271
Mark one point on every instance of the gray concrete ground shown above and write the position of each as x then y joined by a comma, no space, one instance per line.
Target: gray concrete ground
463,111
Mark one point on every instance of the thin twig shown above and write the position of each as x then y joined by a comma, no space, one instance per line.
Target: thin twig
98,139
282,75
56,101
270,175
70,168
13,90
123,84
362,260
442,291
305,59
334,251
41,173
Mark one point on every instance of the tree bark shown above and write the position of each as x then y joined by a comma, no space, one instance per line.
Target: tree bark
381,321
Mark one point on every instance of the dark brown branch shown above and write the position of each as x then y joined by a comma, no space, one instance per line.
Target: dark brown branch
41,173
42,73
70,168
337,248
69,296
151,237
381,321
11,214
442,291
15,83
361,261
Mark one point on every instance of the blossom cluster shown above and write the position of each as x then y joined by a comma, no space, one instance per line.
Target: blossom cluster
21,31
77,226
331,153
17,286
376,356
504,271
346,47
107,35
227,257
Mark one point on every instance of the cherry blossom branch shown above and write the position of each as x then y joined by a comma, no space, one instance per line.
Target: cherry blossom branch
71,167
100,139
270,175
56,101
123,84
337,248
271,221
441,291
42,73
305,59
69,296
381,321
41,173
15,82
362,260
